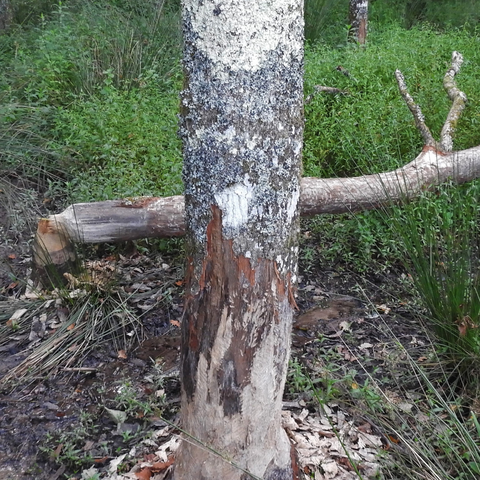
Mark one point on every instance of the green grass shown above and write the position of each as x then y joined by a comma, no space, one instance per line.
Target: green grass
439,233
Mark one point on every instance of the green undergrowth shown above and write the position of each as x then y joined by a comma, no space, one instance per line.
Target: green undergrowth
125,142
328,20
439,233
89,99
370,129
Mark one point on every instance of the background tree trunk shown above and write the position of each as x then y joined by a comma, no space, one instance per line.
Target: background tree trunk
359,20
5,14
242,127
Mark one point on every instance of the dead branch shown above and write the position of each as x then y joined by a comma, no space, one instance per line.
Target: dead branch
458,98
428,139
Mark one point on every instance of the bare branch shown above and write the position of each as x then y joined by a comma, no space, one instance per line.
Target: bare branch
416,111
340,195
458,99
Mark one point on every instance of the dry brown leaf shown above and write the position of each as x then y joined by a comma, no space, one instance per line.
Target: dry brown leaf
122,354
161,466
58,450
175,323
365,428
144,474
345,462
101,460
16,316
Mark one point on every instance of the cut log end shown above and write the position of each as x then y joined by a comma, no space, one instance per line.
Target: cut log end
53,255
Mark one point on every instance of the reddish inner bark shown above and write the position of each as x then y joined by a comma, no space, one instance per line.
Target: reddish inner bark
229,284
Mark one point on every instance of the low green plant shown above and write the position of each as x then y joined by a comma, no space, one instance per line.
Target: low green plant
440,234
323,388
132,402
66,448
369,129
116,60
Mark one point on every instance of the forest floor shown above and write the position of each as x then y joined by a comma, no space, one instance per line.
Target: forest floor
112,410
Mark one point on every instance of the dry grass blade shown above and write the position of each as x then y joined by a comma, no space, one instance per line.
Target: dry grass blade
96,319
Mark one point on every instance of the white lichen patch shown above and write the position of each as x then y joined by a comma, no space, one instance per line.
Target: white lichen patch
292,205
234,202
222,37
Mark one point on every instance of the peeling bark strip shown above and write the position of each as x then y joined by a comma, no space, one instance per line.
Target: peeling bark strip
237,293
242,127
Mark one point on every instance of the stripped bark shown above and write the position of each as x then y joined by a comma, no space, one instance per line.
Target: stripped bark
242,129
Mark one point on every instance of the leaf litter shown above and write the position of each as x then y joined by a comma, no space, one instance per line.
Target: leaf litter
332,442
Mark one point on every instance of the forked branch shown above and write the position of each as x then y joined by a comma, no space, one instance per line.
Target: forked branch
457,97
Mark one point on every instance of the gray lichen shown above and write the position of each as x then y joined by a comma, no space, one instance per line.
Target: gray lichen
242,125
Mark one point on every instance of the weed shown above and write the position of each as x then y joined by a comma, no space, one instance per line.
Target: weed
66,448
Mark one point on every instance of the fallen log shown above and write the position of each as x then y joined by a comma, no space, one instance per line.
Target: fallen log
155,217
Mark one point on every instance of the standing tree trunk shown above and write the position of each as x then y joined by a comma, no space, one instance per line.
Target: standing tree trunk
5,14
359,20
242,128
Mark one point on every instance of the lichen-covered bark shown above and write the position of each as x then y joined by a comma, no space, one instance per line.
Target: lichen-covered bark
359,19
242,125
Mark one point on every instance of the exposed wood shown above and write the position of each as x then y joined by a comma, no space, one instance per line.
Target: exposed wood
53,254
